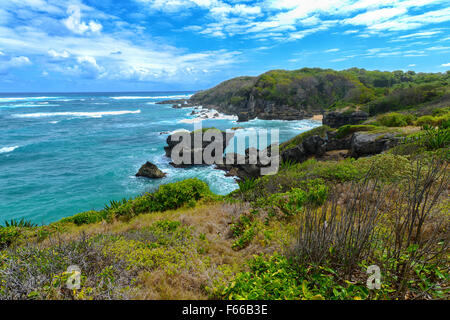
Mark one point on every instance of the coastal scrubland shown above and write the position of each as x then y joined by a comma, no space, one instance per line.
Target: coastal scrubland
310,231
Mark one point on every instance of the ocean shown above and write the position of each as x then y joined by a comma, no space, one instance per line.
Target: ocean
65,153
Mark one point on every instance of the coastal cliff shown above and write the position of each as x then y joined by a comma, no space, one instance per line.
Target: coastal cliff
299,94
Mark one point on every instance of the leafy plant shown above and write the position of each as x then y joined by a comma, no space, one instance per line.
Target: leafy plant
115,204
246,184
435,138
22,223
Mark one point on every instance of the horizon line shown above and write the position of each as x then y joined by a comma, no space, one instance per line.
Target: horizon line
75,92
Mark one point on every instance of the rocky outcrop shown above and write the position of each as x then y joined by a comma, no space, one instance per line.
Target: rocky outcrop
149,170
358,144
191,148
240,165
328,147
310,146
337,119
364,144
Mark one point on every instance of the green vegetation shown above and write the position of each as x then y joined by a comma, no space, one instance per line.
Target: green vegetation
278,278
395,119
167,197
314,89
308,232
348,129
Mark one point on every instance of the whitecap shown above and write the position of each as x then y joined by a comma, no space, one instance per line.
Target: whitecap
211,114
8,149
98,114
178,130
26,99
25,105
187,96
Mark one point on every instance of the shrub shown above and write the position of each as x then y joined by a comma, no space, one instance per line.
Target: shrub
175,195
313,192
337,170
349,129
441,111
398,227
271,279
426,120
8,235
32,272
86,217
441,120
244,229
339,236
317,192
278,278
167,197
418,237
395,119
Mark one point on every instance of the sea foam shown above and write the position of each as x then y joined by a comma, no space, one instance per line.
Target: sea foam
22,105
8,149
26,99
181,96
98,114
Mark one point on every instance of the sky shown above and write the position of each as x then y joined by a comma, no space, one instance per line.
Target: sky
170,45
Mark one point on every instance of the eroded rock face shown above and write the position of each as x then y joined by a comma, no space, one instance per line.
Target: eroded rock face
314,145
364,143
193,148
295,154
338,119
333,143
245,166
149,170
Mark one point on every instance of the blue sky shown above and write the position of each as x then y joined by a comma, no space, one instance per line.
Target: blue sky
150,45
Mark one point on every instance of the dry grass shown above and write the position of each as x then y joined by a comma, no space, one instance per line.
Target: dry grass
210,225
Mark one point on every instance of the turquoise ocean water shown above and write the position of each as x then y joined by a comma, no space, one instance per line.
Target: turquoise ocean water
61,154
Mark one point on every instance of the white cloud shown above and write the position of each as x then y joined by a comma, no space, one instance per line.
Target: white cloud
424,34
74,23
332,50
14,62
215,7
412,65
54,54
408,22
19,61
296,19
90,56
373,17
445,65
438,48
339,60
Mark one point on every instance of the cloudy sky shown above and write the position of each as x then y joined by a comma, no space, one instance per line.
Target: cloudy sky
147,45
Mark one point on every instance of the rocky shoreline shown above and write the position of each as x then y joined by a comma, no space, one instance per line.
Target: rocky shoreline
322,147
327,145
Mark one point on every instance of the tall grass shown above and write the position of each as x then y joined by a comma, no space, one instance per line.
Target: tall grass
399,227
